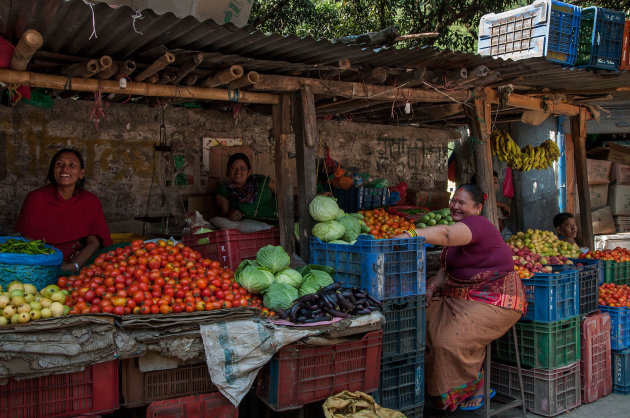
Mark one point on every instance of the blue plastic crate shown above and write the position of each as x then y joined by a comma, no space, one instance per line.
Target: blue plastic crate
386,268
592,262
588,286
357,198
621,371
601,38
619,326
552,296
546,28
401,384
404,328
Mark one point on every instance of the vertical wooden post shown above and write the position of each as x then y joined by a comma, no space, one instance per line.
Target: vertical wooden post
306,136
578,134
284,181
569,168
479,128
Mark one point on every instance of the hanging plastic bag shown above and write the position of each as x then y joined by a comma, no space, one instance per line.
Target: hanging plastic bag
508,184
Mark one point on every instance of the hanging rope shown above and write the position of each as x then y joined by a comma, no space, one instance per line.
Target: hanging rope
136,16
93,35
97,113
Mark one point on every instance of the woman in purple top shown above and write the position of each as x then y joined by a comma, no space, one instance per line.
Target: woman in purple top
474,299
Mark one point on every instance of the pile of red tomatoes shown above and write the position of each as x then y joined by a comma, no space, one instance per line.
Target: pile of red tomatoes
154,278
611,294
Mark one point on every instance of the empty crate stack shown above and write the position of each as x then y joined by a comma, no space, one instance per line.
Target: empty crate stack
546,28
620,345
393,271
601,38
595,359
549,344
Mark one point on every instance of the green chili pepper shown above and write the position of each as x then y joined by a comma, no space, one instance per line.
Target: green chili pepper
16,246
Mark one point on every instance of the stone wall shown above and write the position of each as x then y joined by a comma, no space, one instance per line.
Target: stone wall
132,180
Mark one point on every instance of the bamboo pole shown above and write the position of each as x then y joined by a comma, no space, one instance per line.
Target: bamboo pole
190,80
109,72
188,66
166,77
141,89
159,64
223,76
127,67
155,78
247,80
81,69
105,63
532,103
29,42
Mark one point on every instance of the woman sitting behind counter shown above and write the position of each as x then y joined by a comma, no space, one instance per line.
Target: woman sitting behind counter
474,299
246,195
64,214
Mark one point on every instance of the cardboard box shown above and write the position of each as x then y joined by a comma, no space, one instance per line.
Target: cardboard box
622,223
620,173
598,171
598,195
619,199
431,199
612,152
603,222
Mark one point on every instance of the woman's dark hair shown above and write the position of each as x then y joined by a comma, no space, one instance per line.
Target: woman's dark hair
475,192
237,156
473,179
561,218
51,168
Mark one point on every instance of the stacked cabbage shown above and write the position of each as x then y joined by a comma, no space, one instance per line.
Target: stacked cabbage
334,225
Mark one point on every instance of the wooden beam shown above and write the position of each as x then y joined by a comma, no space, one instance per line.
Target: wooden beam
532,103
29,43
281,125
330,88
569,168
140,89
483,156
306,167
345,106
578,133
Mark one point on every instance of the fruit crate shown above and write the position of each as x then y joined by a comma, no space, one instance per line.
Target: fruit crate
386,268
600,38
415,411
612,271
90,392
624,64
623,273
547,392
552,296
404,328
619,326
588,276
298,374
544,345
543,29
230,246
207,405
595,357
141,388
621,371
357,198
401,383
592,262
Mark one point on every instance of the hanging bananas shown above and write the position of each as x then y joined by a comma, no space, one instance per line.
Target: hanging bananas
529,158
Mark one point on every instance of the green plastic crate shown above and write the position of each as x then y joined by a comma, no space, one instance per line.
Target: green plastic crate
623,273
611,271
543,345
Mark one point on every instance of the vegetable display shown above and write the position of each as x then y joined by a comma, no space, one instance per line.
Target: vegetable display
384,225
436,217
22,303
273,258
324,208
18,246
279,296
329,302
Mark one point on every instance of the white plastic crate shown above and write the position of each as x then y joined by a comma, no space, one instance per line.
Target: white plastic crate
546,28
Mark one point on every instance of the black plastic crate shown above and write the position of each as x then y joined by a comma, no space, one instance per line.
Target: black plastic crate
404,329
415,411
357,198
401,383
589,289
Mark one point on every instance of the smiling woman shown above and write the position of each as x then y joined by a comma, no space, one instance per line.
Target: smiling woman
64,214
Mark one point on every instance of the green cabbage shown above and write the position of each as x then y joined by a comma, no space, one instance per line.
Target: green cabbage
329,231
340,214
313,281
338,241
279,296
352,226
290,277
323,208
273,258
252,278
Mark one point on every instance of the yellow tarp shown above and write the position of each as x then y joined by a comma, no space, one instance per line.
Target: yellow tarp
356,405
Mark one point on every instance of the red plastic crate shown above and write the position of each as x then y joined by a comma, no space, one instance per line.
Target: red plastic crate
230,246
207,405
624,64
595,366
92,391
298,374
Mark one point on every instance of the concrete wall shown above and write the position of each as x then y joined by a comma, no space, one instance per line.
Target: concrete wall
119,155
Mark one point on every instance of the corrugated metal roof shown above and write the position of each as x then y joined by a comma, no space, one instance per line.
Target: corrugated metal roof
67,26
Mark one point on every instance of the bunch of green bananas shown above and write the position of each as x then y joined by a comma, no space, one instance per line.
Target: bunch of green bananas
528,158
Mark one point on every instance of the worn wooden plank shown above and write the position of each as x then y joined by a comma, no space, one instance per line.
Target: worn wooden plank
578,133
569,168
309,115
284,178
533,103
306,169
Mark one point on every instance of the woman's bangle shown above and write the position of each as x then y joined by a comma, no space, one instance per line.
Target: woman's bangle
412,233
76,266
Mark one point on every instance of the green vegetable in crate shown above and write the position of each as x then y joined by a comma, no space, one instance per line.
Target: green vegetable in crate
352,226
329,231
279,296
313,281
273,258
323,208
340,214
252,277
18,246
203,241
339,241
290,277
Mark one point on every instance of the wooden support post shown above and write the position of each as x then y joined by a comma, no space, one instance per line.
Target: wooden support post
159,64
578,134
188,66
483,156
223,76
247,80
306,168
569,168
281,125
30,42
